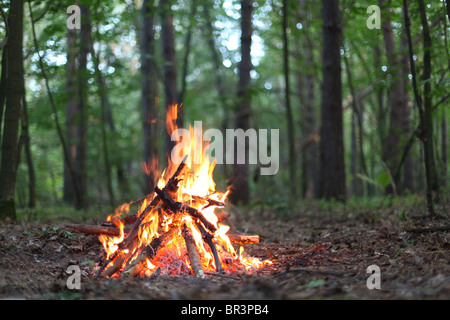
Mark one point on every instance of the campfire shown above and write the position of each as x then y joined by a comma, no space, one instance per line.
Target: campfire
179,229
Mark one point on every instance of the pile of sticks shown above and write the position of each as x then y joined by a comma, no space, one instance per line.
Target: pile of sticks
133,261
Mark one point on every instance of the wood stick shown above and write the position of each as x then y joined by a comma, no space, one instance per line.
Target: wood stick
127,219
193,254
178,206
209,201
118,262
234,238
243,239
150,252
207,237
171,186
226,257
89,229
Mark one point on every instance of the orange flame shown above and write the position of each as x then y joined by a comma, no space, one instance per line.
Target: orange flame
197,183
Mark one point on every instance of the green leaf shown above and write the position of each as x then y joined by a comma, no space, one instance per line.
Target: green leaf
316,283
384,178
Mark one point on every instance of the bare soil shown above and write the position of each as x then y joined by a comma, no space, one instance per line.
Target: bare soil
317,253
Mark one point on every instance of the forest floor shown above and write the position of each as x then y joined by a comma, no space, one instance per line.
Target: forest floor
318,252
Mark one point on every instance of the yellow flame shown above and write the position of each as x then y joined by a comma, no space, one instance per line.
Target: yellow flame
196,181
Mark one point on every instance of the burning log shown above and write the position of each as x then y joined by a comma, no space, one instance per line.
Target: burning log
171,186
88,229
207,237
128,219
117,265
208,201
178,206
243,239
114,231
131,218
150,251
171,223
193,254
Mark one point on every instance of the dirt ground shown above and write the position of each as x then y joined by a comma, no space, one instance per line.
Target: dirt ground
317,253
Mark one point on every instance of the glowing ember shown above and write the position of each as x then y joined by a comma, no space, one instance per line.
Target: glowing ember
177,230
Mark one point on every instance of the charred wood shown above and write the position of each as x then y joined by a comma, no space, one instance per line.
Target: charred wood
193,254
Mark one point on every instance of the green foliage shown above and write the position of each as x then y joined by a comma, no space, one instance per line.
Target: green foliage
116,29
312,284
384,178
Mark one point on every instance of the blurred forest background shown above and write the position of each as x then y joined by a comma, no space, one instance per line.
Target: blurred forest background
362,104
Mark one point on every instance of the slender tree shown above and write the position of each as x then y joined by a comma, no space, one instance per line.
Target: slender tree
444,148
425,131
332,168
219,76
447,4
76,111
427,128
3,78
396,96
105,118
356,139
407,183
240,190
4,64
25,133
81,114
149,90
66,151
306,89
13,107
187,48
71,105
170,63
289,116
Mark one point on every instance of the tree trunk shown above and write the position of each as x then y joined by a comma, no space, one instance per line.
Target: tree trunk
426,130
353,156
392,144
444,146
447,3
356,140
217,62
13,107
408,179
380,112
116,161
28,156
80,164
240,188
187,48
71,105
170,63
149,92
76,112
428,105
106,118
307,94
332,167
289,117
312,189
3,81
59,131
